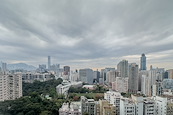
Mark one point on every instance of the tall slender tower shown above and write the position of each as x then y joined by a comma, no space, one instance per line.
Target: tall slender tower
133,78
49,62
143,62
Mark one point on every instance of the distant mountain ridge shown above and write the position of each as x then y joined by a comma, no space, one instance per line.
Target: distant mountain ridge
23,66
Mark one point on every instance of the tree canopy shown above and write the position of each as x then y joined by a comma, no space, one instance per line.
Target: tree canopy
32,103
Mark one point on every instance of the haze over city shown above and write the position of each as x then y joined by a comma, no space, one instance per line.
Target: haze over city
86,34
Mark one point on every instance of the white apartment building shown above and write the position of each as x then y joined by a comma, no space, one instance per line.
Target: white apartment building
113,98
138,101
127,107
153,75
149,107
145,85
141,73
3,87
10,86
31,77
64,87
74,76
161,105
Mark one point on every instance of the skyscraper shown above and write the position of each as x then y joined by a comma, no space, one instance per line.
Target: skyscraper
133,78
49,62
4,66
86,75
122,67
143,62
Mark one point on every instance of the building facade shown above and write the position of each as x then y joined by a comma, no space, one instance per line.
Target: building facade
143,62
122,67
113,98
105,108
88,106
10,86
120,84
86,75
133,78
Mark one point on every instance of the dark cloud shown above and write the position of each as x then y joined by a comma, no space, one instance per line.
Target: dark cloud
93,33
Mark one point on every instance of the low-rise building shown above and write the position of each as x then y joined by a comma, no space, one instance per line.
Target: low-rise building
169,109
31,77
64,87
105,108
73,108
113,98
161,105
88,106
127,107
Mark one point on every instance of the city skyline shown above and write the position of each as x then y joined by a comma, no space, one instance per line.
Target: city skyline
86,34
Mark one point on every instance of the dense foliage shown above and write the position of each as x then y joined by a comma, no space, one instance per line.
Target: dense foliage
97,89
33,103
76,96
30,105
47,87
76,92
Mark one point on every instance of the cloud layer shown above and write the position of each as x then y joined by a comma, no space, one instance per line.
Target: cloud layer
86,33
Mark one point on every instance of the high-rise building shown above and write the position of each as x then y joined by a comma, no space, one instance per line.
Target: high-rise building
74,76
111,76
133,78
120,84
66,70
103,73
170,73
153,76
96,76
86,75
4,67
122,67
49,62
10,86
141,73
145,85
143,62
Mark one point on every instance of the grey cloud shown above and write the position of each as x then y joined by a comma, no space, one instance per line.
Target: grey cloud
84,30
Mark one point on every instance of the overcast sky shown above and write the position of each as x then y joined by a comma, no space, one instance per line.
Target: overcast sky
86,33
